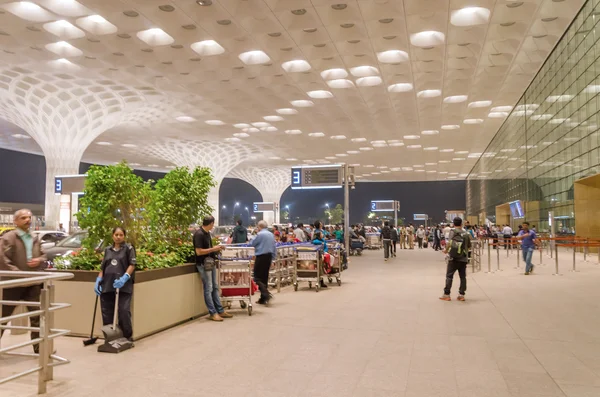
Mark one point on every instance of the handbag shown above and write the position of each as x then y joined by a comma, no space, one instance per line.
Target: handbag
209,263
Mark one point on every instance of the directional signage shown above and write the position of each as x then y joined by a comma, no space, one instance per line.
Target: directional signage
57,185
317,177
264,207
383,205
420,217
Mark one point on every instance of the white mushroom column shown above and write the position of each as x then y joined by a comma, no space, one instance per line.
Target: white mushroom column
220,157
62,117
271,182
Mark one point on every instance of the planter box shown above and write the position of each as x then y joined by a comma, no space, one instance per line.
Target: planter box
162,298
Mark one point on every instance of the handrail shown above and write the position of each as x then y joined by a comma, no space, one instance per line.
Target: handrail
46,359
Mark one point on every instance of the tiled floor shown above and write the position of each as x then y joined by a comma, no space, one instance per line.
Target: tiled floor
383,333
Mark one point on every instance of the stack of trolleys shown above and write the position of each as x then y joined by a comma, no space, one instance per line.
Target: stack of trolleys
309,265
279,272
288,264
336,257
235,276
373,241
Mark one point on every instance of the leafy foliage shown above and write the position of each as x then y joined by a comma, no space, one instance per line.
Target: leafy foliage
335,215
114,196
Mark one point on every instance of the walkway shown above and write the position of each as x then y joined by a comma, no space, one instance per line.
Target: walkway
383,333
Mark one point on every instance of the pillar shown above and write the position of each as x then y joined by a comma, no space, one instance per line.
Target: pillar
68,165
213,201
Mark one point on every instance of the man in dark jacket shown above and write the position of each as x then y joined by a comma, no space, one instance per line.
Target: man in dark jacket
22,252
386,236
394,240
239,234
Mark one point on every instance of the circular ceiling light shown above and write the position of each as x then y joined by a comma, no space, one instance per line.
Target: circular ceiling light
296,66
339,7
412,137
498,115
204,2
473,121
129,145
338,137
455,99
396,144
251,129
333,74
369,81
340,83
97,143
302,103
501,109
427,38
287,111
316,134
261,124
446,150
241,125
450,127
241,135
273,118
185,119
479,104
413,147
256,57
400,87
320,94
300,11
365,149
232,139
207,48
359,139
392,56
470,16
269,129
214,122
430,132
341,155
293,132
429,94
364,71
155,37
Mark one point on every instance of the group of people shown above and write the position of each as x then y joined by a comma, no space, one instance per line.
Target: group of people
407,236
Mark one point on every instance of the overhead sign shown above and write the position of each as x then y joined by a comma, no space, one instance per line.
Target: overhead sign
383,205
264,207
317,177
420,217
68,184
57,185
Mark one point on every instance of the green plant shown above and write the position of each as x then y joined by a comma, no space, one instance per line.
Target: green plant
114,196
84,259
335,215
179,200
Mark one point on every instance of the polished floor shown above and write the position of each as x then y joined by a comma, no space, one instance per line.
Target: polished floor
382,333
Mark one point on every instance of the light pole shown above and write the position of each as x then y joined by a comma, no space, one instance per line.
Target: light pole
233,212
223,213
247,213
287,207
328,214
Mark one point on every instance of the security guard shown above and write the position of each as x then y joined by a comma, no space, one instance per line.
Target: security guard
117,272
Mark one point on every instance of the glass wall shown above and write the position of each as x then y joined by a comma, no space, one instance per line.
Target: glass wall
550,139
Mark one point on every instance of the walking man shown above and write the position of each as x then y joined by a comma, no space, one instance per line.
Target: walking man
264,252
528,243
206,256
420,236
22,252
457,249
394,240
386,236
507,234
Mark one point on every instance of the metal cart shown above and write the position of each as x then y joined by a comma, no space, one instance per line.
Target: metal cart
336,251
235,276
282,266
373,241
308,265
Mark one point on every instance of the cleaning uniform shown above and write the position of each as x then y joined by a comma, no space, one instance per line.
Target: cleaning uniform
114,266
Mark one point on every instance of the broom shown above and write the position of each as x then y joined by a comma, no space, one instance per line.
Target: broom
92,339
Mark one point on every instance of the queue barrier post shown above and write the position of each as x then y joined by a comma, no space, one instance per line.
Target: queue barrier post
541,249
518,259
551,245
508,247
574,253
556,273
498,259
489,257
585,250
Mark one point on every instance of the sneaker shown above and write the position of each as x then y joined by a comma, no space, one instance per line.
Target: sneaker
225,315
531,271
526,274
385,259
445,298
461,298
215,317
323,285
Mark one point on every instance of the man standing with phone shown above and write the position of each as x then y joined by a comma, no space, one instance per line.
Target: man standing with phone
528,243
206,256
22,252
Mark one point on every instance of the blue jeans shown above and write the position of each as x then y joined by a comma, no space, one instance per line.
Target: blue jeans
527,255
211,290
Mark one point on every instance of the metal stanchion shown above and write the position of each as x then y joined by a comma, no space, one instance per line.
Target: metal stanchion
574,252
556,273
550,247
508,247
43,345
585,250
518,259
498,259
541,264
489,255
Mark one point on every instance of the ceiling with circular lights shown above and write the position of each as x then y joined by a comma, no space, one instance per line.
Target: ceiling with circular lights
400,89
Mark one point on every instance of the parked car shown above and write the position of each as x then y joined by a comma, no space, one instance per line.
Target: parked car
66,246
222,233
49,238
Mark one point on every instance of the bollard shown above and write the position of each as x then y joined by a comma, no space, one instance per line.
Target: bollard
556,273
574,252
489,255
498,259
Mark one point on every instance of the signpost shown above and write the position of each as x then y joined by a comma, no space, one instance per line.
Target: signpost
386,205
263,207
421,217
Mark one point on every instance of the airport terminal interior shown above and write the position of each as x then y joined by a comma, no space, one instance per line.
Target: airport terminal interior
130,123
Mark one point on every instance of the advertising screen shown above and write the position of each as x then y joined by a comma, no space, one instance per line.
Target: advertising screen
516,209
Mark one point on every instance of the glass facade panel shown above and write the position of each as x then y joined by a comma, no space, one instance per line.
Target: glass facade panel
550,139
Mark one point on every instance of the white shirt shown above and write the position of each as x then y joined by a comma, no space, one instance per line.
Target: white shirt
447,232
420,233
507,230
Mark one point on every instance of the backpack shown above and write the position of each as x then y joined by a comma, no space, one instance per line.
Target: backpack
457,245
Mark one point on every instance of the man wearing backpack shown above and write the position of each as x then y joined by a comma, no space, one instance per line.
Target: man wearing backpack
386,236
457,248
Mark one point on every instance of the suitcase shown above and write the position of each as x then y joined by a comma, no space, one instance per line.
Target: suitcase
425,244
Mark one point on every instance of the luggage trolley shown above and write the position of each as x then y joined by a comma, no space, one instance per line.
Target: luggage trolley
373,241
336,257
235,276
309,265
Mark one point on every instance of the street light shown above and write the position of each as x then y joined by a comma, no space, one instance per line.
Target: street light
328,213
287,207
247,213
237,204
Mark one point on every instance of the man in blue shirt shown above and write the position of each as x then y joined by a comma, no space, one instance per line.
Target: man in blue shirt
264,252
528,243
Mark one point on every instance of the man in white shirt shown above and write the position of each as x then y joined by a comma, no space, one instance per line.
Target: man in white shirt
447,230
299,232
507,233
420,236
